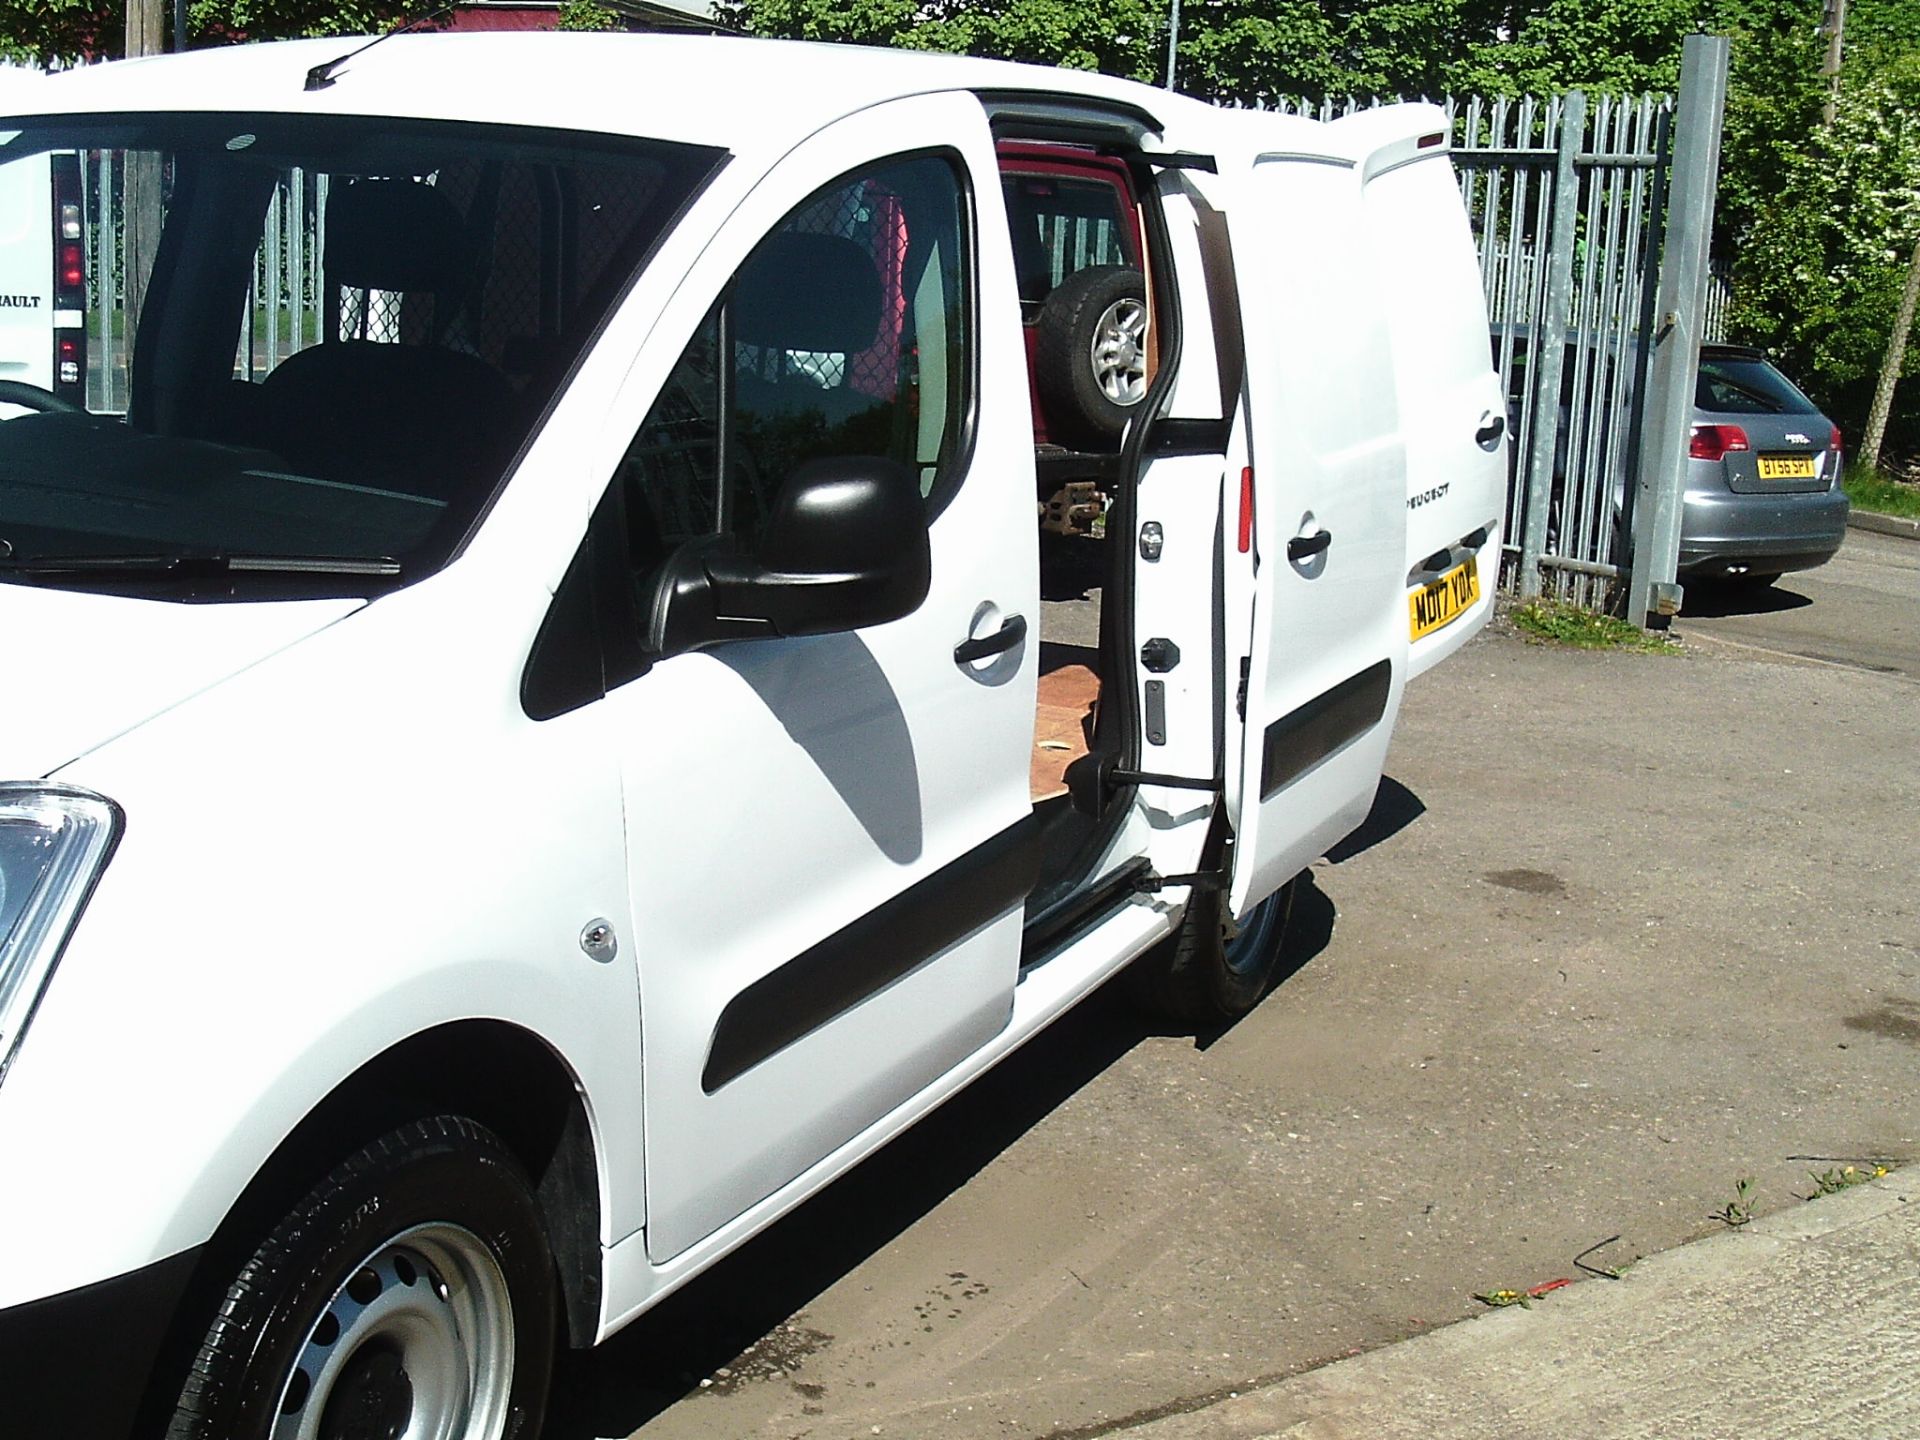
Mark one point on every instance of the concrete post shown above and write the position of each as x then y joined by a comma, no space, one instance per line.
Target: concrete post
1652,595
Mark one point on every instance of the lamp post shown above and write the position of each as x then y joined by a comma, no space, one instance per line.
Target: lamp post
1173,44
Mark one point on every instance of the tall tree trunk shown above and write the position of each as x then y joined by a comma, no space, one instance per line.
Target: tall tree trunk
1892,365
140,203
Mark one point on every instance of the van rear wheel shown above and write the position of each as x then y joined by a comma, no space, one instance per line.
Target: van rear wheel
410,1292
1211,971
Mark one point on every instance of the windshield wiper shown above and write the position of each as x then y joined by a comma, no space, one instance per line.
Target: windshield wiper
197,565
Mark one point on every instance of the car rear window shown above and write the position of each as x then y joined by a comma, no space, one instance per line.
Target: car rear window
1747,385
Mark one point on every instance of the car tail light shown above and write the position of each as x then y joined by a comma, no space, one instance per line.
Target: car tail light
67,353
1833,440
73,273
1711,442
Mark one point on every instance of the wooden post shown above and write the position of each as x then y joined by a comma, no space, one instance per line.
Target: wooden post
1892,365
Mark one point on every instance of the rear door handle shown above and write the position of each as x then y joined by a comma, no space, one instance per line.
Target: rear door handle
1305,547
1492,427
1011,632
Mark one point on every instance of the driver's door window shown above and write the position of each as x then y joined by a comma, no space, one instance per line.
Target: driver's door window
842,334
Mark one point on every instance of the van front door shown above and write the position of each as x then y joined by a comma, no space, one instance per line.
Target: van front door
1321,521
829,835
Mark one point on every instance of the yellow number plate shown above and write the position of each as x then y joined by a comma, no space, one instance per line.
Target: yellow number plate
1446,599
1786,467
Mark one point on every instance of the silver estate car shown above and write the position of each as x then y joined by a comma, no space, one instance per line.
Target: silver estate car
1763,489
1763,481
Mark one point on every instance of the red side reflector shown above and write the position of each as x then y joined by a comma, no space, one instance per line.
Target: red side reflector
1711,442
1427,142
1246,510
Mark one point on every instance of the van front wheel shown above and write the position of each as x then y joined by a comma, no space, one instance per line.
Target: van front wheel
1211,971
411,1292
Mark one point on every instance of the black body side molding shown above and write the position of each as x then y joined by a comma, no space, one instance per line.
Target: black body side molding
863,958
1297,742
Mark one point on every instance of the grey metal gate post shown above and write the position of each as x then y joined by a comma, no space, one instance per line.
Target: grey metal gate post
1652,595
1550,344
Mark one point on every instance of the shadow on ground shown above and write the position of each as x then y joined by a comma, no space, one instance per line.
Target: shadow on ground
742,1301
1707,599
1394,808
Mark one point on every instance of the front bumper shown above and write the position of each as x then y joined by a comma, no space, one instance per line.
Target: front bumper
1726,534
75,1366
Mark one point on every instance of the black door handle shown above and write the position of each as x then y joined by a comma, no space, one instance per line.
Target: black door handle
1492,427
1011,632
1305,547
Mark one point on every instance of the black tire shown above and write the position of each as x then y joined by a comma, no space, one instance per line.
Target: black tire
403,1282
1090,355
1209,972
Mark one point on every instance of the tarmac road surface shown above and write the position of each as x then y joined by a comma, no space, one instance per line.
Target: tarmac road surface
1861,608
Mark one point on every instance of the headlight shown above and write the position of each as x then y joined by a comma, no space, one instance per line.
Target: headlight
54,842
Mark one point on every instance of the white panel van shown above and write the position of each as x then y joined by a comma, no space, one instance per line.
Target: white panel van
506,796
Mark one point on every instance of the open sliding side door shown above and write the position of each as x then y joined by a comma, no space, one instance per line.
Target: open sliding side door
1326,535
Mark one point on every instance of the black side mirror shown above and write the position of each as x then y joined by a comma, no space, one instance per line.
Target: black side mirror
846,547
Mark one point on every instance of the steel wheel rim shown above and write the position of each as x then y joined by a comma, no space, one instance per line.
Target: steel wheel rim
1248,945
1119,351
415,1344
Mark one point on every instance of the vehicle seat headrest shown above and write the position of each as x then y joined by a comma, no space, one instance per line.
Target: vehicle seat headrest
803,291
395,235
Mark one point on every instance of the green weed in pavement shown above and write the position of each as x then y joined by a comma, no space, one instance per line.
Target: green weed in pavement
1560,622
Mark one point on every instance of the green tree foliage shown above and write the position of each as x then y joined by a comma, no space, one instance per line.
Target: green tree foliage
586,15
1822,227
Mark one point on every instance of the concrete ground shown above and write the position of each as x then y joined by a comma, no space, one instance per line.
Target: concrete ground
1794,1326
1623,932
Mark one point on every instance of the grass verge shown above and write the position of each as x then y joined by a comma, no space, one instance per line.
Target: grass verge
1868,489
1559,622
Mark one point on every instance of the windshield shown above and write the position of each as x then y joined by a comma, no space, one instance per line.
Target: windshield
298,351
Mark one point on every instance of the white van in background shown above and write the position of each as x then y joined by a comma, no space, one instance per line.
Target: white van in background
43,282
